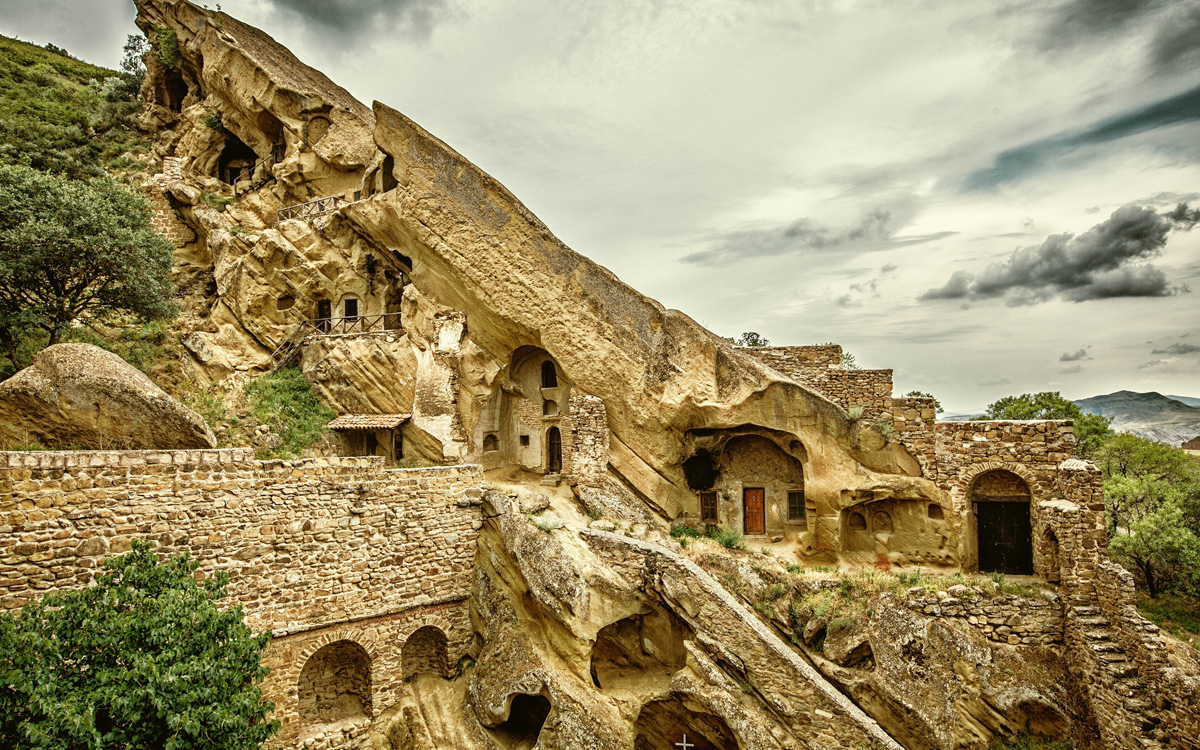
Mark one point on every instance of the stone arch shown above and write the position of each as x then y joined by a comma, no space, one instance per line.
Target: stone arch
1001,503
335,684
491,443
425,650
759,474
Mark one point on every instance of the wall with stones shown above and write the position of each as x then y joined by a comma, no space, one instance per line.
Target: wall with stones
820,368
1015,620
586,429
317,550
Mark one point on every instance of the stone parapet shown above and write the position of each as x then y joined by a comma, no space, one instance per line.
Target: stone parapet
1015,620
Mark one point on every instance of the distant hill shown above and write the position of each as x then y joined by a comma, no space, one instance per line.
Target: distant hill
1151,415
1186,400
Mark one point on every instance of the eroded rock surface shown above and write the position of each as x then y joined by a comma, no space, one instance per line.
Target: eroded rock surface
81,395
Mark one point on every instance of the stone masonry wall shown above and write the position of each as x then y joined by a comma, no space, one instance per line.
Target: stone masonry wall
1015,620
820,368
587,430
317,550
165,221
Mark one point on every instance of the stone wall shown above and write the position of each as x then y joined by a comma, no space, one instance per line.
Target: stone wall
317,550
1015,620
820,368
586,430
165,221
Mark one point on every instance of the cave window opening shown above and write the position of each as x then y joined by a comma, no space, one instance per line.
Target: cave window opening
350,309
176,90
490,443
708,507
554,450
526,716
663,722
424,651
524,441
549,408
316,129
639,650
549,375
936,512
796,506
858,522
324,315
286,302
335,685
387,175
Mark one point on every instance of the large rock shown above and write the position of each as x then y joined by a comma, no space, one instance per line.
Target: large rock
79,394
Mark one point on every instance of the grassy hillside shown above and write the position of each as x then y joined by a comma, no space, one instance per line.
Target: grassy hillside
60,114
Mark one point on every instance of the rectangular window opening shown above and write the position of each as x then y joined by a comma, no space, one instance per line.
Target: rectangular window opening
525,441
796,506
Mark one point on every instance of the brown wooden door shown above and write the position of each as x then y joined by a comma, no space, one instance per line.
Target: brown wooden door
554,451
754,511
1005,538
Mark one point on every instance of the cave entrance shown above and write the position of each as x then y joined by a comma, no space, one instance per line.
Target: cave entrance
176,90
663,723
335,685
526,717
236,161
641,651
424,651
1004,530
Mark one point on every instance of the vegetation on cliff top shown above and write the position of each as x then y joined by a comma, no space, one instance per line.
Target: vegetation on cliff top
145,658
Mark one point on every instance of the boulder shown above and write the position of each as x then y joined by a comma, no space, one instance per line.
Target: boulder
79,394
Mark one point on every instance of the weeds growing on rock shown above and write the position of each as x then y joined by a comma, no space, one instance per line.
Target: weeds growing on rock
726,537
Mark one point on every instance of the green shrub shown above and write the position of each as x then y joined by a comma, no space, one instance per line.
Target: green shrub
166,46
1023,741
285,402
726,537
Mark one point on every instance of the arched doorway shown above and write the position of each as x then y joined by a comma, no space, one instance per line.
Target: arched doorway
1004,530
554,451
335,685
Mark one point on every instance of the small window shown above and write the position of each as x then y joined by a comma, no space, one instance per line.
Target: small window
549,375
935,511
858,522
351,308
796,506
549,408
491,443
525,441
708,507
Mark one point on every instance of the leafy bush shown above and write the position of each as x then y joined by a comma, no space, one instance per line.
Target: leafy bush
145,658
166,46
726,537
285,402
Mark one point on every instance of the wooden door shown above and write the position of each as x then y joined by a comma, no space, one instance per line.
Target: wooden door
1005,538
554,451
754,511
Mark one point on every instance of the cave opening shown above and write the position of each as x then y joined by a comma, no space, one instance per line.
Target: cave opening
663,723
526,716
236,161
700,470
639,651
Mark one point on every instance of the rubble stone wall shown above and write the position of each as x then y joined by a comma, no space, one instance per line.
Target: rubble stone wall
316,550
586,429
820,368
1015,620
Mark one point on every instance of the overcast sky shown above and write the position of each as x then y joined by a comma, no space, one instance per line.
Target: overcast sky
981,195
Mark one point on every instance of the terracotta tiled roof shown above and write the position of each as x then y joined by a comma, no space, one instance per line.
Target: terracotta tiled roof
368,421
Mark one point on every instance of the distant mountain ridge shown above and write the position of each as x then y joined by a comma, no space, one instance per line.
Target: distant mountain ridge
1169,419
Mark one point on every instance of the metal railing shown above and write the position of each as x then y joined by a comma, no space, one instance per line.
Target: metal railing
357,324
311,209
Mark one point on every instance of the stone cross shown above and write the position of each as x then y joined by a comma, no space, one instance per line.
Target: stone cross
685,744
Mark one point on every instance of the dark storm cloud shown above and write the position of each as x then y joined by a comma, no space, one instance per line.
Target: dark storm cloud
1183,217
803,234
351,18
1097,264
1177,45
1080,20
1177,349
1023,160
1077,356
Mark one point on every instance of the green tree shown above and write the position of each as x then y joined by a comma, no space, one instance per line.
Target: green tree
144,659
1091,430
1143,476
1162,549
750,338
74,250
922,394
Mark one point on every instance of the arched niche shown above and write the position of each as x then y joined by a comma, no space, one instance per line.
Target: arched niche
424,651
521,415
1002,505
527,715
236,161
335,685
764,481
663,723
639,650
316,128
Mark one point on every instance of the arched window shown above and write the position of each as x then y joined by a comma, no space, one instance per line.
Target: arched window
491,443
554,451
858,522
549,375
424,651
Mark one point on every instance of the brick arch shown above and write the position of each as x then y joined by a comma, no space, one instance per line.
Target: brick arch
336,682
429,619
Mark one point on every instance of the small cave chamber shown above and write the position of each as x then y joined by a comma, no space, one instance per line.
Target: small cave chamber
236,162
527,715
335,685
638,652
424,652
667,722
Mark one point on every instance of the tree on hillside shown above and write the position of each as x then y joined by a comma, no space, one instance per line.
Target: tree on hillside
1142,476
1163,550
72,250
750,338
1091,430
143,659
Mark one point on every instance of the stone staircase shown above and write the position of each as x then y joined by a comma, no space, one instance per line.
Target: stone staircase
1114,669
